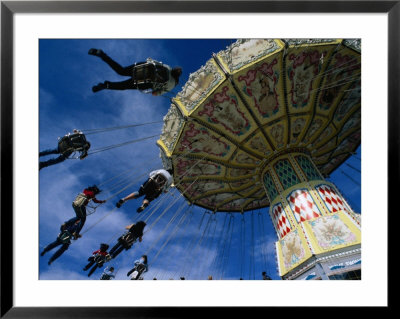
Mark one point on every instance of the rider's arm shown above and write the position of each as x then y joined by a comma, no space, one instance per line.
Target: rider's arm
98,201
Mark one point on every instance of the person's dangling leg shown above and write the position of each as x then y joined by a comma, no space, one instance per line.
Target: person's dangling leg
127,71
50,247
58,253
52,161
90,264
117,252
49,151
114,249
145,203
92,270
80,212
123,85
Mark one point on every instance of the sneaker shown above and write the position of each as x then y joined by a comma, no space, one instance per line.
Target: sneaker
120,202
140,209
96,52
99,87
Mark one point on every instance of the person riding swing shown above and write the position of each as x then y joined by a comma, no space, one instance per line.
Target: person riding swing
149,76
67,145
67,232
140,267
80,203
107,274
134,233
159,181
98,258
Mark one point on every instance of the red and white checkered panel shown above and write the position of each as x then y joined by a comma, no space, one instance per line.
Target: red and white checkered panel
280,220
332,199
302,205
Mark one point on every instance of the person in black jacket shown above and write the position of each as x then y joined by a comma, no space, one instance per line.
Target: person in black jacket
135,232
67,145
98,258
68,231
151,75
265,276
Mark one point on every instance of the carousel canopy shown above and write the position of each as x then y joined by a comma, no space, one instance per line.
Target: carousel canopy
255,101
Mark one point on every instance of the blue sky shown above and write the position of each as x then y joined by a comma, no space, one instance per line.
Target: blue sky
184,241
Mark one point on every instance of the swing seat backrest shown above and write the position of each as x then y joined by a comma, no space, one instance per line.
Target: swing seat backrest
160,180
144,73
80,200
65,237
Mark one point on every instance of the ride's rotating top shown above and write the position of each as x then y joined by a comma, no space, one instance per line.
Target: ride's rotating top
262,119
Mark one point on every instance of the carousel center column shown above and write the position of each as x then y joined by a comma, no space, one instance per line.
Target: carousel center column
311,218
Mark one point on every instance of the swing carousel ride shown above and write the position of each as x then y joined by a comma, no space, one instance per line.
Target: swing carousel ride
262,124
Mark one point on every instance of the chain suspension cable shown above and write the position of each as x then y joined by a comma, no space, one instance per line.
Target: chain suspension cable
178,197
351,166
123,181
178,211
266,250
205,245
202,219
172,203
181,194
172,235
189,248
341,68
170,195
347,199
221,257
182,228
261,235
154,208
114,237
208,247
253,244
339,83
106,148
344,67
352,179
208,239
108,214
126,178
107,129
194,251
242,246
105,216
181,180
218,246
229,247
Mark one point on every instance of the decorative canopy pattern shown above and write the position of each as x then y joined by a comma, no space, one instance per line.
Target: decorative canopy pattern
255,101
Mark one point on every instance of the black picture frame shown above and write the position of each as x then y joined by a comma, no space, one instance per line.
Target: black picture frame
9,8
